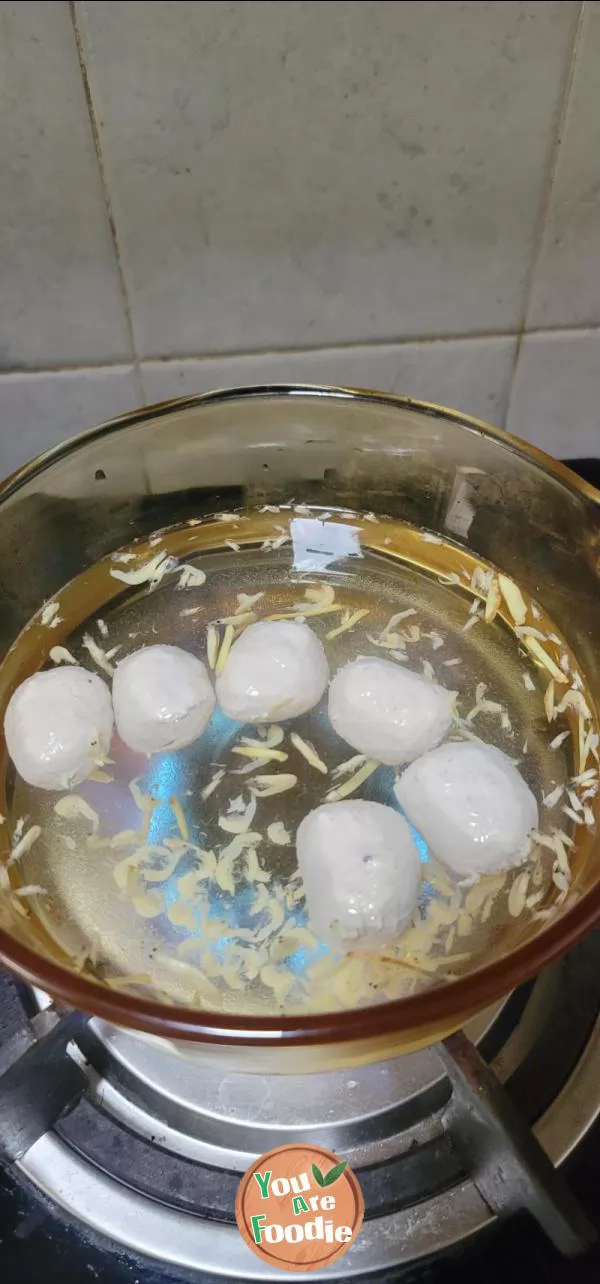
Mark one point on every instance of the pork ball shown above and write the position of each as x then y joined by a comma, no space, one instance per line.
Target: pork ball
472,807
276,670
163,699
361,873
386,711
58,727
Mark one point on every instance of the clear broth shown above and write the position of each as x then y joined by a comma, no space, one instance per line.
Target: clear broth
190,953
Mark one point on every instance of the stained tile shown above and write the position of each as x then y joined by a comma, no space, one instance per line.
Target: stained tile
566,287
555,401
292,175
38,411
61,300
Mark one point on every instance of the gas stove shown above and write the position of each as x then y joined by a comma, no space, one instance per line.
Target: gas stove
126,1169
146,1161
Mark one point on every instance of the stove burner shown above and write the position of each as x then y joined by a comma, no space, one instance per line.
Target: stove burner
150,1154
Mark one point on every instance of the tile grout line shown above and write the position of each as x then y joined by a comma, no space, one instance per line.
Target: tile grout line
339,345
547,191
423,341
87,89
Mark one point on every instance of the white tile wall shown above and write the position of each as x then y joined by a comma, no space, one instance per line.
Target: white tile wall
469,375
60,300
292,174
566,289
39,410
389,194
555,399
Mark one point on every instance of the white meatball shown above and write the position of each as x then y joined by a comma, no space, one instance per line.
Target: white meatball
386,711
276,670
471,806
58,726
163,699
361,873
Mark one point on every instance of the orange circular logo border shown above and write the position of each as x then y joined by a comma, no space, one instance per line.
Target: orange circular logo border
295,1203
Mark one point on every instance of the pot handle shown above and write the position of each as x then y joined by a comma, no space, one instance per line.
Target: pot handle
39,1085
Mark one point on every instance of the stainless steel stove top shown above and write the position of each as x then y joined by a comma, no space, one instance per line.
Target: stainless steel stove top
151,1153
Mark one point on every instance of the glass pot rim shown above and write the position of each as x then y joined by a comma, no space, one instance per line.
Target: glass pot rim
417,1013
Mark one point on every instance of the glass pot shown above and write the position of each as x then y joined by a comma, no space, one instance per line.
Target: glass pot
429,466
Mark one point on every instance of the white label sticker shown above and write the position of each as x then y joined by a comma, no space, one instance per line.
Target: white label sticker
318,544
